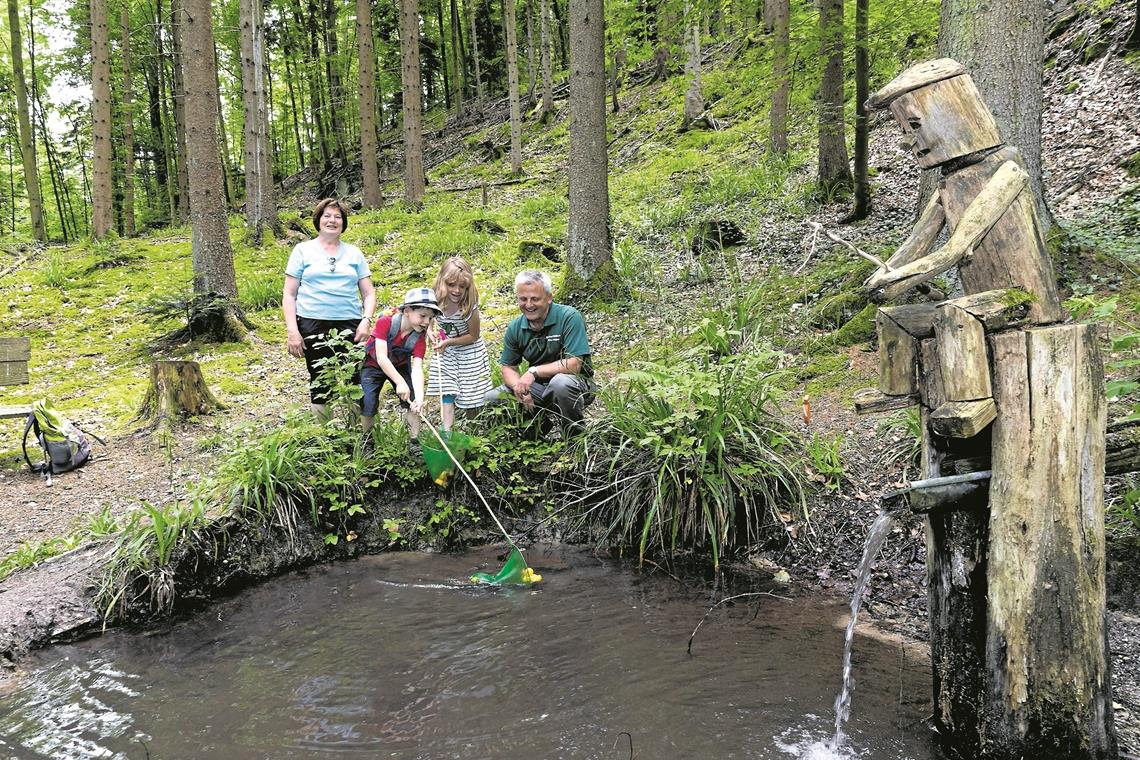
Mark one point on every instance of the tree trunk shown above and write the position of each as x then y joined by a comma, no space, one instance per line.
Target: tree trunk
128,128
332,71
457,48
260,195
1002,46
513,86
1133,41
177,21
295,110
444,58
474,35
312,66
694,100
373,197
531,64
27,141
211,254
177,390
102,220
410,78
778,116
862,205
834,171
547,74
590,257
618,78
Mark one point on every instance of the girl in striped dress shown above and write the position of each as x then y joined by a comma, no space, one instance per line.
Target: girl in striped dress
460,371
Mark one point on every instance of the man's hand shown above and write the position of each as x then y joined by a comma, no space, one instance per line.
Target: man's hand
522,386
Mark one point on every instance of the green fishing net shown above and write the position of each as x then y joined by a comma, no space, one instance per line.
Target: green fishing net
514,573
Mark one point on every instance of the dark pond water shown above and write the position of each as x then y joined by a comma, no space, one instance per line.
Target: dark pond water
392,657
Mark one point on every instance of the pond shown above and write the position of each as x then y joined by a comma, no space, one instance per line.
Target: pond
394,656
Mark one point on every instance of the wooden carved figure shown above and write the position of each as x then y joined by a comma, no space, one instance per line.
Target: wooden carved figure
1013,412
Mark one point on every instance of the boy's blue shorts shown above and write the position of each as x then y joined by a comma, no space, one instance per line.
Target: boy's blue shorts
372,381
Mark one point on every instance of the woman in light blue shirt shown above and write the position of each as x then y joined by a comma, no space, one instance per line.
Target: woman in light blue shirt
328,286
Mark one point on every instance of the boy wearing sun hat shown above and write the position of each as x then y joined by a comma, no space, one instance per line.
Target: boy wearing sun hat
395,354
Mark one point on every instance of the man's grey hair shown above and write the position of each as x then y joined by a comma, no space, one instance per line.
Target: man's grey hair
528,276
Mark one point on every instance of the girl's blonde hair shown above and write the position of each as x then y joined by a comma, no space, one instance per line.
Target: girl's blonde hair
456,269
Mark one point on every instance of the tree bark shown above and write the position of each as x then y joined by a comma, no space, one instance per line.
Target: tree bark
410,78
177,19
547,73
694,100
177,389
1002,46
27,142
260,195
778,116
474,35
862,205
128,127
369,145
589,228
513,86
102,193
444,58
211,254
531,64
332,71
1133,41
834,171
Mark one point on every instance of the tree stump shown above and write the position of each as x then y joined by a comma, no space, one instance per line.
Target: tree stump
177,389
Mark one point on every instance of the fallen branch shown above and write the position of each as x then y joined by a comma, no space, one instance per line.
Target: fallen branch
689,649
818,229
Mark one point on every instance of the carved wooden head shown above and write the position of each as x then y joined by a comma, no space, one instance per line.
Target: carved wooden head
940,110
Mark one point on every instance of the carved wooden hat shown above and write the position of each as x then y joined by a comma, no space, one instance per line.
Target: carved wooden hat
918,75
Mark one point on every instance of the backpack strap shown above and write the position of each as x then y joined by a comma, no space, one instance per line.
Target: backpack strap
394,330
29,425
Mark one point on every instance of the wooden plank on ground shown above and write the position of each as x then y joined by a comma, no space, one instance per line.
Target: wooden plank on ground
15,349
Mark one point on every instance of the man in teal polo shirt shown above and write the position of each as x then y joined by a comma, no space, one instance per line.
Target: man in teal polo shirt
551,339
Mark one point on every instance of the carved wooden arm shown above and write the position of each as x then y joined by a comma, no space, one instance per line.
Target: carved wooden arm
982,213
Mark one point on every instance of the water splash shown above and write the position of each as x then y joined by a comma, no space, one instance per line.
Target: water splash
880,529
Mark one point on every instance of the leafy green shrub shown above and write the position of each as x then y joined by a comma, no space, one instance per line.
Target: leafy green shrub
55,269
690,454
825,460
32,553
906,425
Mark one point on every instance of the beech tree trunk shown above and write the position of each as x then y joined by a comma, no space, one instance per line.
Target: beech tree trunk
1002,46
834,170
531,64
410,76
547,73
27,145
128,127
366,49
589,228
177,389
1133,41
260,195
778,116
474,35
513,86
332,71
694,100
177,21
862,205
211,253
102,193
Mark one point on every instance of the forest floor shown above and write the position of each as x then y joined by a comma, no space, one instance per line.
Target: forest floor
1092,108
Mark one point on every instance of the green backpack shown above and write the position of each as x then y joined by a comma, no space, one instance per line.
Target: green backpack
65,446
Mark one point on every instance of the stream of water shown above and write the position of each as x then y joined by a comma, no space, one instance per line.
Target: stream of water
395,656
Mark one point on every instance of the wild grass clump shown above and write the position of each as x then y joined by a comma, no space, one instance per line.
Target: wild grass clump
260,293
690,455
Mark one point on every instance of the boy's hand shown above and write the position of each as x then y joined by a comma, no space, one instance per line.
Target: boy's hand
403,391
417,407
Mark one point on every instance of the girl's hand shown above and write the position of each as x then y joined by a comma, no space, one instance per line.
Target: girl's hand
403,391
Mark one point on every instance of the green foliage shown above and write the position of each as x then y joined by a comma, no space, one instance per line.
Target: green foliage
31,553
54,273
905,426
824,458
689,454
260,293
446,521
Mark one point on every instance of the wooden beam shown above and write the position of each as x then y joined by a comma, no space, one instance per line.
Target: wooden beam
872,400
15,349
962,354
962,419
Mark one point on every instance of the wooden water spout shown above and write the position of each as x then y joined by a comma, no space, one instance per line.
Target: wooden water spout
1015,557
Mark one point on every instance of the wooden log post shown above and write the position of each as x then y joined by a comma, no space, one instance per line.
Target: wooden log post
1047,686
177,389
